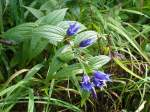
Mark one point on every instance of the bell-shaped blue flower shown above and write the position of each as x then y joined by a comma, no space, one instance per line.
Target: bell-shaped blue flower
73,28
100,78
99,83
86,84
101,75
86,42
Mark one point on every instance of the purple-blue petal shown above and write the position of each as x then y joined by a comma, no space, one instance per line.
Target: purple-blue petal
101,75
85,79
87,86
86,42
73,28
98,83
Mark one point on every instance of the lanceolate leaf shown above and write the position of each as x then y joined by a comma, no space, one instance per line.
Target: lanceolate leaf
114,25
69,71
33,71
37,45
20,32
53,18
31,101
52,33
66,54
98,61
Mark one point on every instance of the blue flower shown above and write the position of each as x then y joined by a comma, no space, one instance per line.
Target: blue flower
86,42
100,79
99,83
73,28
86,84
101,75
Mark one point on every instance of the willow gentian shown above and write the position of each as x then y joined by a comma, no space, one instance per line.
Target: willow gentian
86,42
88,86
73,28
100,78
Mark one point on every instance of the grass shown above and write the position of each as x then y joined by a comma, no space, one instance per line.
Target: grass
42,72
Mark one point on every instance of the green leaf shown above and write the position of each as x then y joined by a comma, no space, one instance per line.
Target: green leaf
53,18
66,54
62,103
69,71
1,77
54,66
1,18
98,61
120,63
37,45
135,12
28,76
85,35
20,32
50,5
54,34
116,26
31,101
33,71
84,96
11,88
147,47
35,12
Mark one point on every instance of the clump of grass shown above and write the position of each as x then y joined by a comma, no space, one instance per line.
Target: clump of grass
42,71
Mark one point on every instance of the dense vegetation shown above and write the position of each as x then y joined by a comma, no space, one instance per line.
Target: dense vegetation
74,55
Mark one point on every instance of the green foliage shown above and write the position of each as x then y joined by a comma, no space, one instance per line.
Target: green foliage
43,67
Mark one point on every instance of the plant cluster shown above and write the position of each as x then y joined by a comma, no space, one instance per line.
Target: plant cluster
74,55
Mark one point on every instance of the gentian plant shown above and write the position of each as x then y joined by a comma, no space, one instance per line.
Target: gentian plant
73,29
98,79
86,42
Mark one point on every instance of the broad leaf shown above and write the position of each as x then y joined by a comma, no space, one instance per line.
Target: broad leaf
98,61
66,54
20,32
37,45
69,71
53,18
52,33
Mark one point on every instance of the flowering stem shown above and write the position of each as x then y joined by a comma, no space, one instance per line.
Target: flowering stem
82,65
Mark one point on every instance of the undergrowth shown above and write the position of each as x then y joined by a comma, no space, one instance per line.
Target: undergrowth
43,65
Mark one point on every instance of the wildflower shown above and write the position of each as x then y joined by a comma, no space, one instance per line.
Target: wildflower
99,83
86,42
86,84
73,28
100,79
